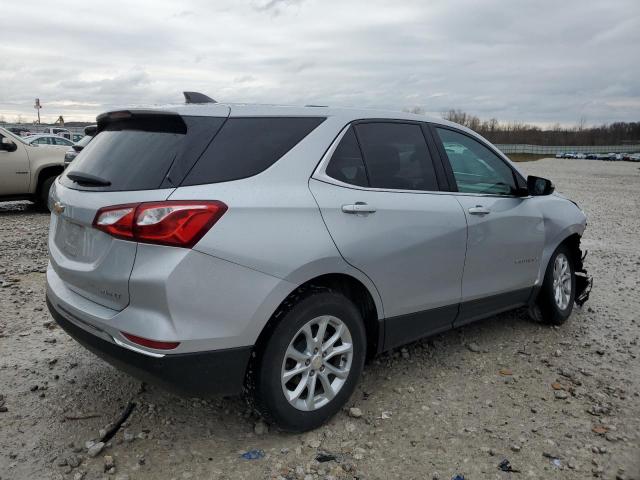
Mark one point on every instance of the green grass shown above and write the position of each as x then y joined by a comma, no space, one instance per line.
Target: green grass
527,157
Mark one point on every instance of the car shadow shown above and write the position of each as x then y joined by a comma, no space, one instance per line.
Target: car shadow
21,208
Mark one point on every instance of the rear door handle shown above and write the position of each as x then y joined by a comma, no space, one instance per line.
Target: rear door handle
479,210
358,207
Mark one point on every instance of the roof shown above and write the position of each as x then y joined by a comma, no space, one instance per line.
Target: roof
345,115
268,110
245,109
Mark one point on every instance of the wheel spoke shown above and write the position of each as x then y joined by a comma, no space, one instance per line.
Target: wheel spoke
295,394
311,392
298,369
326,385
330,369
339,350
334,338
296,354
308,335
322,329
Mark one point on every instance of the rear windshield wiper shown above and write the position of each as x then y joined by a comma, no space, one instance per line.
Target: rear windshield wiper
88,179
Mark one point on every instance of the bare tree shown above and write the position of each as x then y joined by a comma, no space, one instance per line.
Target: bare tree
617,133
417,110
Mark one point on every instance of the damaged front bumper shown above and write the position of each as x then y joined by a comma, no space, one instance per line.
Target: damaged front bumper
584,282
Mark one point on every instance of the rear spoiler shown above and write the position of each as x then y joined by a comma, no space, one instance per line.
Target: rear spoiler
144,120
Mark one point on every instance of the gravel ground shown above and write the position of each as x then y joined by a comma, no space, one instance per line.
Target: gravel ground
556,402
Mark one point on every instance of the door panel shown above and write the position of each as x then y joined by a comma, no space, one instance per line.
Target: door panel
412,247
503,247
14,171
505,231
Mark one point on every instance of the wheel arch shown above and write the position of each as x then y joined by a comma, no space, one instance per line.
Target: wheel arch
352,288
44,173
570,237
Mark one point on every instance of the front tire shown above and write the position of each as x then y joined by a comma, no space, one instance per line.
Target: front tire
312,361
556,297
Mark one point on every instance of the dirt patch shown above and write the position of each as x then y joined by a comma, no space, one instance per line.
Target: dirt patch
555,402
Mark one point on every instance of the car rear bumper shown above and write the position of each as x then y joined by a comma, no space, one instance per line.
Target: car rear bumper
197,373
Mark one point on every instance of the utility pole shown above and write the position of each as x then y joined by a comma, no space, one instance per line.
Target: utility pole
37,106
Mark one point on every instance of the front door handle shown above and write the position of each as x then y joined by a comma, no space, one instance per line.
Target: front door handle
479,210
358,207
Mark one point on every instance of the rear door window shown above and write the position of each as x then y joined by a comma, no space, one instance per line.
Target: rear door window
396,156
247,146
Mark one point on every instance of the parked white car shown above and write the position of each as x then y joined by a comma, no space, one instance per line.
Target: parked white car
49,140
27,170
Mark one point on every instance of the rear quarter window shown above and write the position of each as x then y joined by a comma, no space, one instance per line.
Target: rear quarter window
247,146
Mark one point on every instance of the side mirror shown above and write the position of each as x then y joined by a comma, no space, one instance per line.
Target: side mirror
7,145
539,186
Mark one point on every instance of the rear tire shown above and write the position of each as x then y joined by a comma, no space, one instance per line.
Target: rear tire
556,297
302,376
43,193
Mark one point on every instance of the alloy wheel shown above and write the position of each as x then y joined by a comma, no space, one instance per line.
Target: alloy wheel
562,281
316,363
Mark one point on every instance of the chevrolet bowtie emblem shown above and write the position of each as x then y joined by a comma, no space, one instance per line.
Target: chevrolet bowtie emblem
58,208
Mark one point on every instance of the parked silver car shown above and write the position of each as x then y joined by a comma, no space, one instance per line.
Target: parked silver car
216,248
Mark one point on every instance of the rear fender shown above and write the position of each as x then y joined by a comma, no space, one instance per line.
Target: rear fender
333,265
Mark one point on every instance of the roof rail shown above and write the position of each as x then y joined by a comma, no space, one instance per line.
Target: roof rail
197,97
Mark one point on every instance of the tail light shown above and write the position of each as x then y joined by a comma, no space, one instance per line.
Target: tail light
179,223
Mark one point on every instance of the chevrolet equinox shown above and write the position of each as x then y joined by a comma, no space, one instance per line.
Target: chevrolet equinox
270,250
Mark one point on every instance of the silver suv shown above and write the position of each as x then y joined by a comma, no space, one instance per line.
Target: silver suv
218,248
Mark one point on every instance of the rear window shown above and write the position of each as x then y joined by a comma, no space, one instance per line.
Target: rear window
129,159
247,146
145,151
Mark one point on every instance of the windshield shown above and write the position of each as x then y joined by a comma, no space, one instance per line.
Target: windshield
12,136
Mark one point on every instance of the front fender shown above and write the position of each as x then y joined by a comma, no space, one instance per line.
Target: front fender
562,219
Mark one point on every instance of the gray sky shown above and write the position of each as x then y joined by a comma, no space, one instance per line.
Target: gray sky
536,61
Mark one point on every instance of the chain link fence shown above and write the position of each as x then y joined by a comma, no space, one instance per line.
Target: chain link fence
29,127
552,150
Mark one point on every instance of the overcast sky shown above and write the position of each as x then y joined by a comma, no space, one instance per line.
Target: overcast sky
534,61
